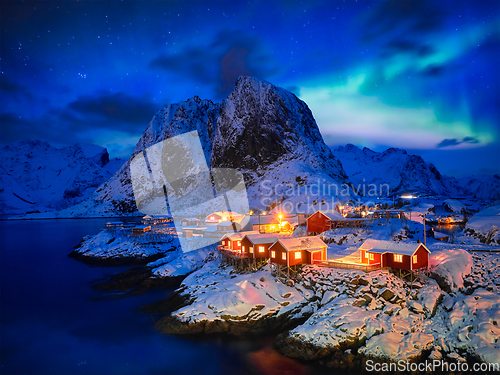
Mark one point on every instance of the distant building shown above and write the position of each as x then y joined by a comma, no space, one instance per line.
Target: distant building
321,221
228,226
114,224
217,217
141,229
190,221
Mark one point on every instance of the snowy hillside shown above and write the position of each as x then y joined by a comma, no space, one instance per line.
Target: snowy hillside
395,167
35,176
482,187
263,131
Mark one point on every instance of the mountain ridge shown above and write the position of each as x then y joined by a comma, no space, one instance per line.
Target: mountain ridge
37,176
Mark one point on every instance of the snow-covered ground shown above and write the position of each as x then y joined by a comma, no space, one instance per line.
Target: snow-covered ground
109,245
375,314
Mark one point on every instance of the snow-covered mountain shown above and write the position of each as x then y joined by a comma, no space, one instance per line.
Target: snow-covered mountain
34,176
396,168
482,186
265,132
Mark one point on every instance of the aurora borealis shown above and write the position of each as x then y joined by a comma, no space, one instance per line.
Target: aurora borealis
419,75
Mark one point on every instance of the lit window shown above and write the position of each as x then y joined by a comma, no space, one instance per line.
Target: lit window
283,256
273,254
298,255
372,257
239,243
243,249
224,218
251,250
211,218
261,249
414,259
398,258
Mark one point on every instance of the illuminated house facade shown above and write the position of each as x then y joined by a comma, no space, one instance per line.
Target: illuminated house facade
402,256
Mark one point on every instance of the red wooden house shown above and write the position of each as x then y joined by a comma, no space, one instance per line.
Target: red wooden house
300,250
402,256
232,241
141,229
257,245
321,221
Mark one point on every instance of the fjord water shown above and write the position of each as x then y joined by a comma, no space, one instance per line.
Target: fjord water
53,322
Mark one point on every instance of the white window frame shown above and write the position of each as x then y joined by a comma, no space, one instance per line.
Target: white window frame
398,258
251,250
298,255
283,256
243,249
414,259
371,256
261,249
273,254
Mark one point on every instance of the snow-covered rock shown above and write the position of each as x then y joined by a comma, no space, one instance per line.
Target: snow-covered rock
114,248
449,267
226,302
453,205
35,176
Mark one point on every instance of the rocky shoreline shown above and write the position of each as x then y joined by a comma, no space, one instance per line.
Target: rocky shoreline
335,318
115,261
343,318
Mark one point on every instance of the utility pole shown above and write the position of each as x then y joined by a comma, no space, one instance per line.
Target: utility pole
425,235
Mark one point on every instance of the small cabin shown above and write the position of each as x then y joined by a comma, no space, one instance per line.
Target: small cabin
141,229
402,256
232,241
300,250
257,245
114,224
321,221
190,221
217,217
228,226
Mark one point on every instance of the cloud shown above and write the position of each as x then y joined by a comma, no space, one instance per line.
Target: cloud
402,17
456,142
112,110
86,119
397,46
9,86
229,55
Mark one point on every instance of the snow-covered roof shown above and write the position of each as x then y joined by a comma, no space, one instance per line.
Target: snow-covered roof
310,243
381,247
226,223
258,238
332,215
266,219
238,235
190,219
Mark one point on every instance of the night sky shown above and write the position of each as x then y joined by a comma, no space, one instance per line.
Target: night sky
418,75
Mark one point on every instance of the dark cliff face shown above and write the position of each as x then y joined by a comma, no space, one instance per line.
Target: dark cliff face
260,124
